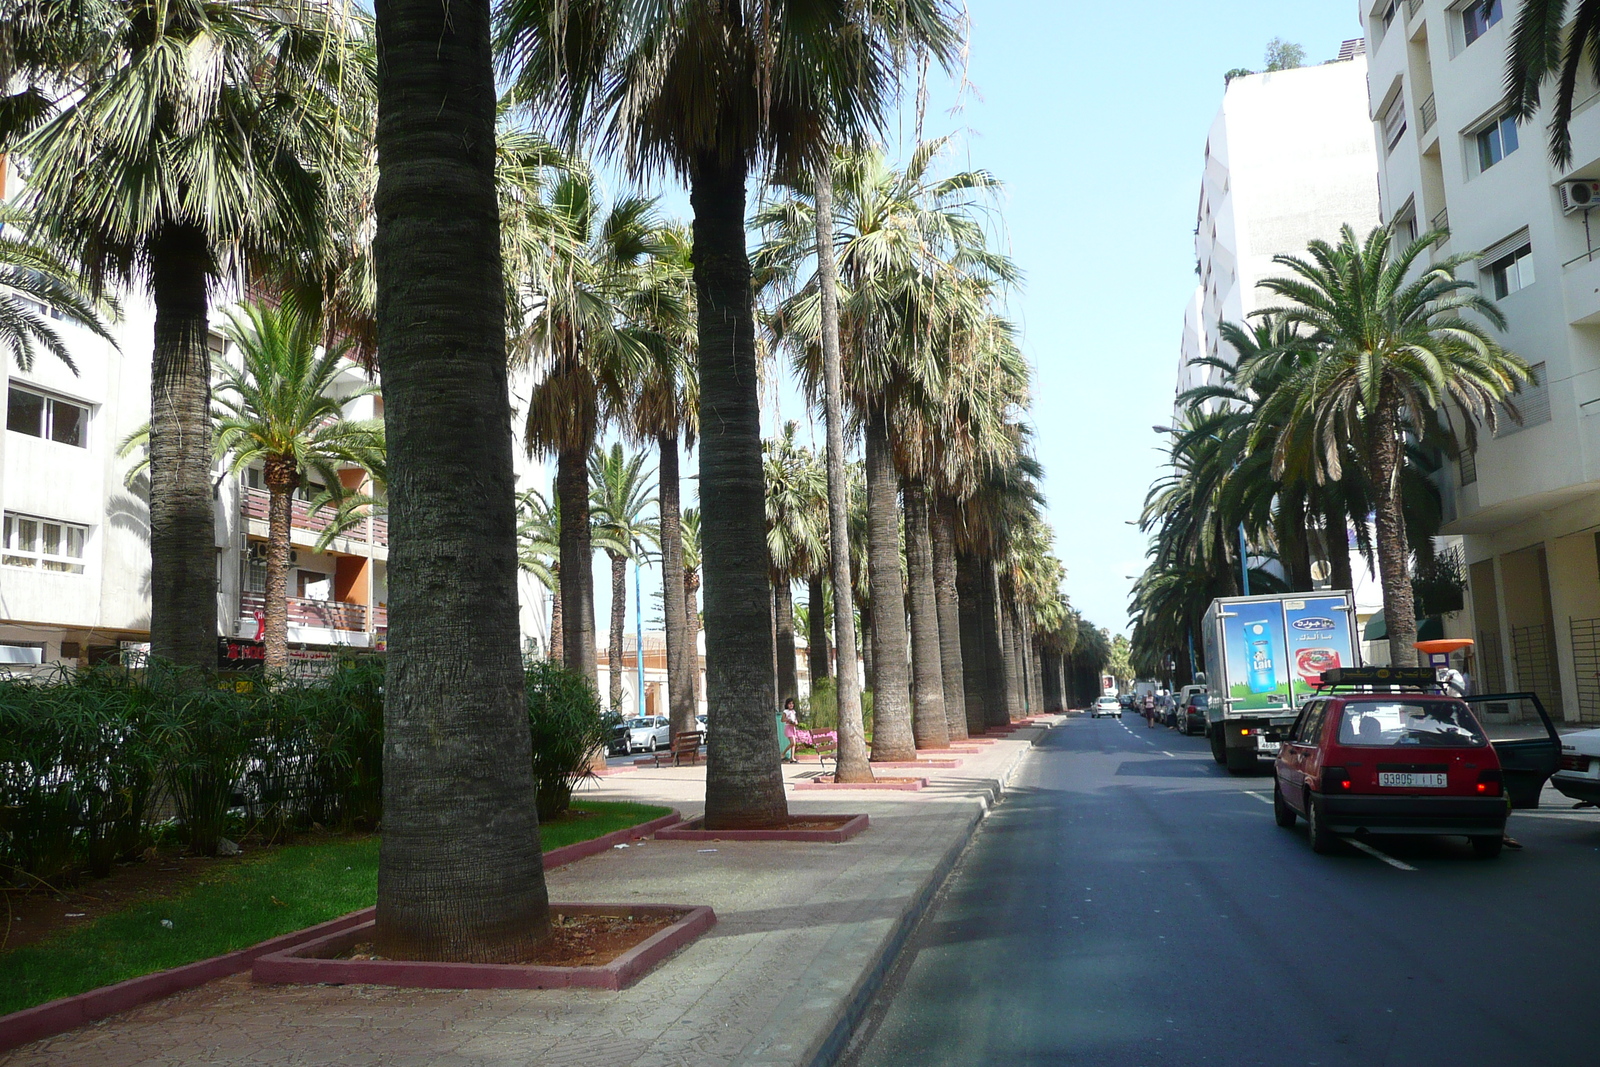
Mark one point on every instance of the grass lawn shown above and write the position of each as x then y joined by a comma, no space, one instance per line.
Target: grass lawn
286,889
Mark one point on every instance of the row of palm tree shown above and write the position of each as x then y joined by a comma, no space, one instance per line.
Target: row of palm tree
1334,413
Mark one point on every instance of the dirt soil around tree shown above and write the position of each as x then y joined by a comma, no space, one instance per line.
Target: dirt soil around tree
575,940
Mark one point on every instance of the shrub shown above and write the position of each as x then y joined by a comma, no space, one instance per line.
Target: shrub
822,706
567,726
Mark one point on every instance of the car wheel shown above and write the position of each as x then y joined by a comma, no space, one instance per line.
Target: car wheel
1487,847
1321,838
1281,811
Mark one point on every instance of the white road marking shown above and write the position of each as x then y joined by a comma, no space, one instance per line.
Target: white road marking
1265,800
1390,860
1169,755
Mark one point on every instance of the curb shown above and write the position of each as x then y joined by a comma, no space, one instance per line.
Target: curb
67,1013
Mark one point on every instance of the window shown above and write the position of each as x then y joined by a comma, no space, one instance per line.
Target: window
1468,462
1430,725
253,574
43,544
1388,14
1476,18
1394,121
1511,272
38,415
1497,141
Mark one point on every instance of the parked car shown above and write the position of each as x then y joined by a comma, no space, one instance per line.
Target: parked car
645,734
1390,763
1106,706
1192,714
704,731
1578,775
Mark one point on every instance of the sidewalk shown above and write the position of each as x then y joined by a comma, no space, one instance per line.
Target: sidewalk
804,933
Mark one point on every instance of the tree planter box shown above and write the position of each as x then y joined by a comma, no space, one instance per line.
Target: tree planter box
693,830
904,785
313,962
935,761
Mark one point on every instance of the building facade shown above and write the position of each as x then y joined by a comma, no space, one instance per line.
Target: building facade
1526,501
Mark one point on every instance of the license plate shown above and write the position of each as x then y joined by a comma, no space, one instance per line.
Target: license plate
1413,781
1268,746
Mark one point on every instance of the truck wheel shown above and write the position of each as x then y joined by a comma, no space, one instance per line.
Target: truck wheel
1321,837
1281,811
1218,752
1487,847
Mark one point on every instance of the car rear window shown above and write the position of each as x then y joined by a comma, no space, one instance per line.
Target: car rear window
1430,725
1198,700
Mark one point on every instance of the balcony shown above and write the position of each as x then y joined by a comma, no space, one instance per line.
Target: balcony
1580,280
320,614
1428,114
255,504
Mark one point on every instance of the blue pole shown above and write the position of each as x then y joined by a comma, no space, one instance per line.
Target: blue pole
638,631
1244,561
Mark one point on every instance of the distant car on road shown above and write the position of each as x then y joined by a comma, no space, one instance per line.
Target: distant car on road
1390,763
1192,714
1106,706
645,734
1578,775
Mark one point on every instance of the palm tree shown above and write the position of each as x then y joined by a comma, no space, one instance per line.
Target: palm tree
539,554
460,871
179,143
1542,48
796,488
1387,354
279,409
33,277
715,92
620,497
689,529
591,341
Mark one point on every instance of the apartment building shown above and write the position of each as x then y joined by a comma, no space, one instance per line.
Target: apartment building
1526,501
1289,158
75,556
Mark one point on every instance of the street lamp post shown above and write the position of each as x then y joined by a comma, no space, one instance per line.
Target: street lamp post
1244,547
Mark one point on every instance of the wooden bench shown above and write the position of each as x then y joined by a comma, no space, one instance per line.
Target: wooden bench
684,744
824,743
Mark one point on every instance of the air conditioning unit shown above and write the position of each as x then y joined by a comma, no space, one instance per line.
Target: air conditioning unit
258,551
1580,195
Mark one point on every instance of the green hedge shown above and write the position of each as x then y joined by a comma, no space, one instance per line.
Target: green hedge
89,759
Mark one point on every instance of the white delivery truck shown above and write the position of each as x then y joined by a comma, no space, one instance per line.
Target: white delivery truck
1264,657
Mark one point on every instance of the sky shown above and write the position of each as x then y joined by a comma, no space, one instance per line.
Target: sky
1096,123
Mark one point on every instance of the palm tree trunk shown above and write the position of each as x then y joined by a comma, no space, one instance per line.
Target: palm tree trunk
680,654
947,603
1011,659
819,662
744,781
280,509
788,677
577,563
183,563
892,736
974,650
1399,613
556,621
999,709
460,875
852,753
869,665
691,586
619,621
1336,542
1050,677
927,668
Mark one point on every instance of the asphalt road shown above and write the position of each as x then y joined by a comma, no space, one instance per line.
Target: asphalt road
1130,903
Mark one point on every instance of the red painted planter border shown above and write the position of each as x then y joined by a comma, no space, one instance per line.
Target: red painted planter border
689,830
903,787
309,963
65,1013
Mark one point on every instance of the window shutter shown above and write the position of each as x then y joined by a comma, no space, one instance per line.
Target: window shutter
1532,403
1503,248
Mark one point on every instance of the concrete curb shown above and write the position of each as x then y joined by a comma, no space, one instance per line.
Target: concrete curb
67,1013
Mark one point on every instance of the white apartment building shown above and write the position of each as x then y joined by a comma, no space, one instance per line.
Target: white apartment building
1526,503
1289,158
75,556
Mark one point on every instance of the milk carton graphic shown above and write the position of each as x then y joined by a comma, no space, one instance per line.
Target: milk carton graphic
1260,656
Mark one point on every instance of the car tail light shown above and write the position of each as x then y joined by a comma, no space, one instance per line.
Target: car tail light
1575,763
1335,780
1489,783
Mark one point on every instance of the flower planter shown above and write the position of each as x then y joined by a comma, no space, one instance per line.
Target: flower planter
694,830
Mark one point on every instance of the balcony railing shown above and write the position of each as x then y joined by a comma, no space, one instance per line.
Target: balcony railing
1428,113
256,504
1412,7
326,614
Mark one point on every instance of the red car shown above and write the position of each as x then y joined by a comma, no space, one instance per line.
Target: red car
1405,761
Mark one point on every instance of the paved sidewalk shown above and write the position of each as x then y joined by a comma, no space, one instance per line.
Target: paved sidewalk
804,932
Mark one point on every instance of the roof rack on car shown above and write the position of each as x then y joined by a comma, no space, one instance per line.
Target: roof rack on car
1374,677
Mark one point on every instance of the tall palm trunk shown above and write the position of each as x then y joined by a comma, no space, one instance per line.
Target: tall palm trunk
818,661
183,554
869,665
892,736
691,586
557,644
1050,677
974,653
744,781
853,758
927,668
281,477
947,602
1010,660
1336,543
783,609
1399,613
577,562
460,875
996,708
680,653
619,621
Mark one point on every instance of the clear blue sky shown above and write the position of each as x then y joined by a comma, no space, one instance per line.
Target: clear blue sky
1096,122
